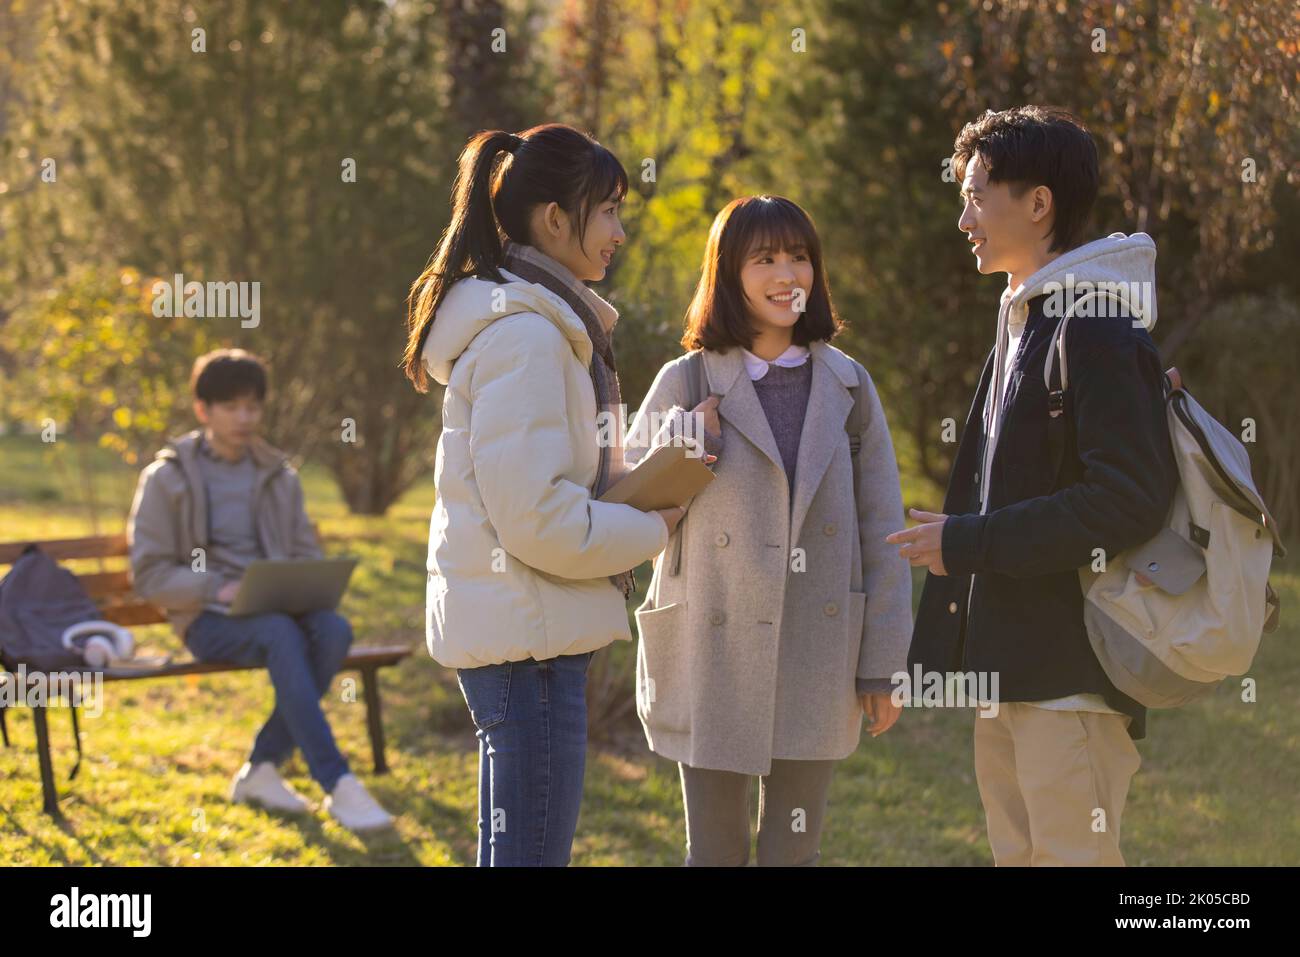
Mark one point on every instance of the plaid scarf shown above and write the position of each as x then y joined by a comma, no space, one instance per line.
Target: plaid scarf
533,265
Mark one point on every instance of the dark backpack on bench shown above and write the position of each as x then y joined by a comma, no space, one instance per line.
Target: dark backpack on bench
39,600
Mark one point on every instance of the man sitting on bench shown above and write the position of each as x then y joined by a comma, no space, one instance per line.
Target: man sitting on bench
210,503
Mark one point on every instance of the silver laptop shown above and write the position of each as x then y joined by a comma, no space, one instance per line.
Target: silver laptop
292,586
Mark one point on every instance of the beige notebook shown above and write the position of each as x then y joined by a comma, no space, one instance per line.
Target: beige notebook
664,478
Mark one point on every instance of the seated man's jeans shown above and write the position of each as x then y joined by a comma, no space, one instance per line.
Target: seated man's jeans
302,656
531,718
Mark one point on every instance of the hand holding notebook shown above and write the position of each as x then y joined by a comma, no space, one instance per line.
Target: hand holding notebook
669,476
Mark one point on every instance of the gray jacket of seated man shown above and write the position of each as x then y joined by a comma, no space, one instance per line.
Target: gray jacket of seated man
186,544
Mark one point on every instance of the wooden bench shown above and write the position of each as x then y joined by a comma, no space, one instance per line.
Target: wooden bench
112,591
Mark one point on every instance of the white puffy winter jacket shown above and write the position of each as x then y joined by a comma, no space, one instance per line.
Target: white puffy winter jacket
520,554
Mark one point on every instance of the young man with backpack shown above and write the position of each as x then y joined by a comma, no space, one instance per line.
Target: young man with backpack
210,503
1028,505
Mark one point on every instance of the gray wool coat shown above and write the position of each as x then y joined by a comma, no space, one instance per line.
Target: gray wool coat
750,652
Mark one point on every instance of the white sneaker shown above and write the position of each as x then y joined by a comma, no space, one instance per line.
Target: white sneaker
262,784
354,808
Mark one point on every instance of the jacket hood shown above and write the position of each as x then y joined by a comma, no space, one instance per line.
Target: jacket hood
1119,264
185,449
472,304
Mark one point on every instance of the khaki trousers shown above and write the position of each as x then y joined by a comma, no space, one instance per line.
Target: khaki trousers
1053,784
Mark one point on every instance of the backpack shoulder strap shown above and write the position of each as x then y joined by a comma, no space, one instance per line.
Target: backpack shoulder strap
857,415
697,390
1055,370
697,379
1056,379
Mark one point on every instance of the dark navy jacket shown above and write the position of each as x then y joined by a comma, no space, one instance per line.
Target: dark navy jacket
1024,619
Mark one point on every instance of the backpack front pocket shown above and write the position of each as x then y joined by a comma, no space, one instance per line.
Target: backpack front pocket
1225,633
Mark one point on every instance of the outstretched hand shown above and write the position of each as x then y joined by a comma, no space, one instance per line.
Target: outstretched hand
922,544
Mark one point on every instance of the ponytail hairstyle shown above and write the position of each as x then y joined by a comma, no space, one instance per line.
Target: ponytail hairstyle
493,201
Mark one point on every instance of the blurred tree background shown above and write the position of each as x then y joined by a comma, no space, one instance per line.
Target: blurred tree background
310,148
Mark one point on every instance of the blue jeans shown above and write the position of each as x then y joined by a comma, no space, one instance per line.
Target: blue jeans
302,655
531,720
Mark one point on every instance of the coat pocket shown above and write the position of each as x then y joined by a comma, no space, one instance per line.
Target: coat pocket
487,693
662,683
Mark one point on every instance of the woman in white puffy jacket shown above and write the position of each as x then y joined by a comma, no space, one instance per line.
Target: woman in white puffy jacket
528,571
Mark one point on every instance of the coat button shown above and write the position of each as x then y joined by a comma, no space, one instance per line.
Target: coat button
831,609
715,618
721,540
828,529
952,607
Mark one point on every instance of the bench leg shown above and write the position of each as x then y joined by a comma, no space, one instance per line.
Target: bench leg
48,791
374,717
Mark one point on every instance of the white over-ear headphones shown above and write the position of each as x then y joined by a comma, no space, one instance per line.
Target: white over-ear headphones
101,643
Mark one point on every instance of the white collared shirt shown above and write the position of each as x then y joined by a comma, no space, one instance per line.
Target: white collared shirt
757,368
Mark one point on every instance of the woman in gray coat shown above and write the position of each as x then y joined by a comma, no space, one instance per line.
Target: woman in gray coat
758,654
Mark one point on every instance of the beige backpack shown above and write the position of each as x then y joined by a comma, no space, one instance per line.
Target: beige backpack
1171,618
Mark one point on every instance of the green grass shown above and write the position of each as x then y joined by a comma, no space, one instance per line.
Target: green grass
1218,783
